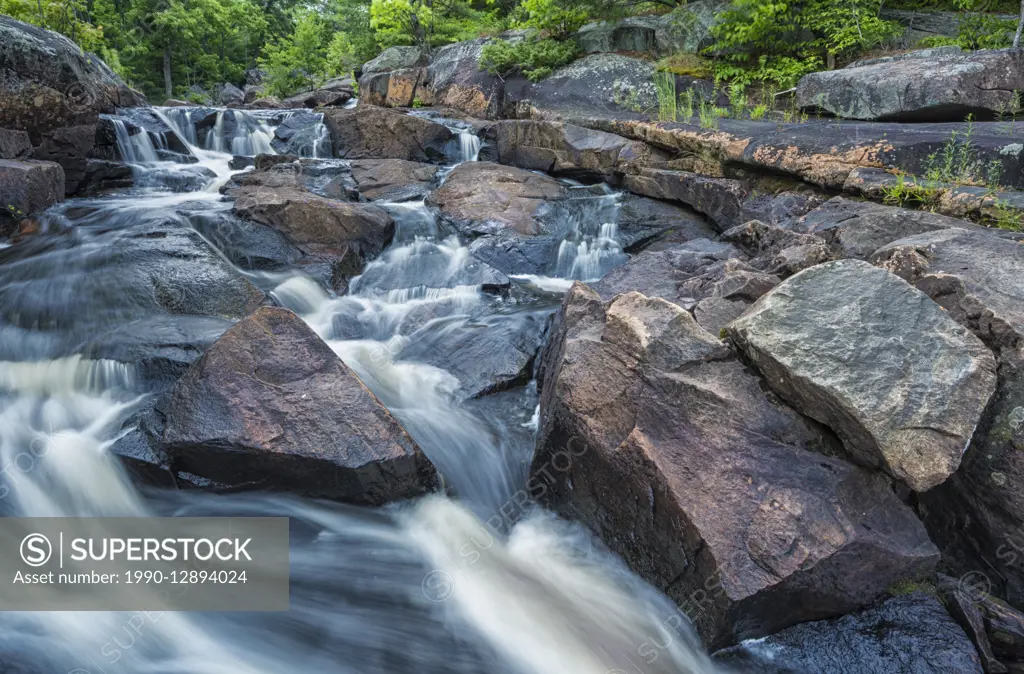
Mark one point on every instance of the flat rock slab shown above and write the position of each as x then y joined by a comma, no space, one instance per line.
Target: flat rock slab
654,435
909,634
856,229
271,405
862,351
939,87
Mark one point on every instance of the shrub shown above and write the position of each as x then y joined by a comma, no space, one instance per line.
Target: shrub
686,65
535,59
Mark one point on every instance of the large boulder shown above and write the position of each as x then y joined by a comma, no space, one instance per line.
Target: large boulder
721,199
862,351
394,89
486,198
978,515
53,90
594,83
908,634
686,29
456,80
229,95
395,58
28,187
936,87
393,179
570,150
319,98
371,132
270,405
657,438
339,233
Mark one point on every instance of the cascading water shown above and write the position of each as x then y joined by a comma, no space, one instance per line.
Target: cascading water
433,586
469,146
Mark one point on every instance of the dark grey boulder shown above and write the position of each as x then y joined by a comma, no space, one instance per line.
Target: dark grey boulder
865,353
229,95
395,58
908,634
371,132
393,179
14,144
937,88
656,437
271,406
28,187
456,80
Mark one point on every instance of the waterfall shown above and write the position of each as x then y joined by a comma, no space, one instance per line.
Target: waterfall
134,149
469,144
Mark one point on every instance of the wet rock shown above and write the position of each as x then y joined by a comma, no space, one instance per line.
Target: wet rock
393,179
485,198
176,103
14,144
977,517
300,133
936,88
456,80
966,602
639,221
856,229
569,150
49,86
370,132
876,360
247,244
343,233
598,82
272,406
908,634
657,438
28,187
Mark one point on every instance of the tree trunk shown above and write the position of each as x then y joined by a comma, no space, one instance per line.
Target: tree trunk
168,85
1020,27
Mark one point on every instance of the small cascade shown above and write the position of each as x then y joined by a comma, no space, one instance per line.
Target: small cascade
134,148
590,247
181,122
240,133
469,146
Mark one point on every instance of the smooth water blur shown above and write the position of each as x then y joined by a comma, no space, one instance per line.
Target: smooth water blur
445,585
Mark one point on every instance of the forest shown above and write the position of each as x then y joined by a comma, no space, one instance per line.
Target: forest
182,48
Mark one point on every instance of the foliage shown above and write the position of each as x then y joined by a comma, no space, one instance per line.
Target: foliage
665,85
560,19
427,23
535,59
780,41
298,61
686,65
977,29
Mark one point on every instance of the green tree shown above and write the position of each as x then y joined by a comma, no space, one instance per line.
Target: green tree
297,61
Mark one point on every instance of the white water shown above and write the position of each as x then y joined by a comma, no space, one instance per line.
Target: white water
482,584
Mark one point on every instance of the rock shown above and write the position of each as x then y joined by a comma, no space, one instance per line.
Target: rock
394,89
318,98
370,132
922,24
342,233
229,95
570,150
856,229
343,83
863,352
908,634
978,515
393,179
54,91
252,92
635,34
934,52
721,199
942,87
267,103
28,187
657,438
395,58
14,144
687,29
456,80
270,405
965,603
640,221
255,76
176,103
598,82
777,250
485,198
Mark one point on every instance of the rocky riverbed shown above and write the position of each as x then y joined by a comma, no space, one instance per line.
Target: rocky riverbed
547,385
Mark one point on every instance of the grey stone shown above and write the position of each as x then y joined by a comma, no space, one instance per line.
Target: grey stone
862,351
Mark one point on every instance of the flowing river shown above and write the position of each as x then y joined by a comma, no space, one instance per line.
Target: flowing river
477,584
